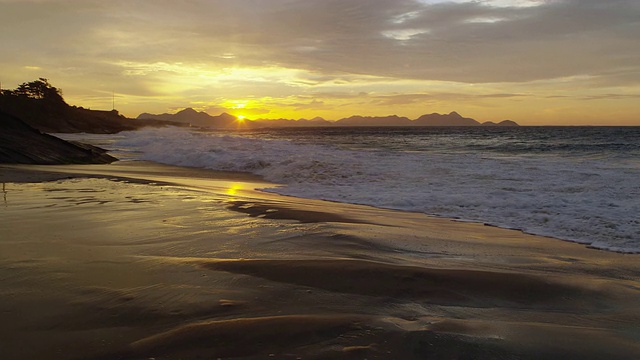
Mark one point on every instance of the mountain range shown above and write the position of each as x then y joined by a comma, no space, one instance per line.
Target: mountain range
36,107
193,118
224,120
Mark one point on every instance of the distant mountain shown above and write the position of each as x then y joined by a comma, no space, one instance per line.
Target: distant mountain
451,119
501,123
194,118
391,120
202,119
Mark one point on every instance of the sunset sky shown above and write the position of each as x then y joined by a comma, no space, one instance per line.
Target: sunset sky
571,62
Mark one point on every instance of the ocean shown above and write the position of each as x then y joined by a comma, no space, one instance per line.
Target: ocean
579,184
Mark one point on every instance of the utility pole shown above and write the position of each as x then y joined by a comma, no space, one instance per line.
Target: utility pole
113,99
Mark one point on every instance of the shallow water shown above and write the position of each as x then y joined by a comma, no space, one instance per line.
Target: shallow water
574,183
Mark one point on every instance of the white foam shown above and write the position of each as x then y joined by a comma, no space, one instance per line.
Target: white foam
587,201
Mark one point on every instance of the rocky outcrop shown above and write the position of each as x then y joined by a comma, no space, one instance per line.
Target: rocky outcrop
42,107
22,144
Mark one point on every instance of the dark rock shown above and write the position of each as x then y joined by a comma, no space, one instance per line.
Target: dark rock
22,144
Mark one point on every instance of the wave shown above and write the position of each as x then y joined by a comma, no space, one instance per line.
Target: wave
590,201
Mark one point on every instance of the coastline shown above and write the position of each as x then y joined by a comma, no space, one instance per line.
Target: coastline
138,260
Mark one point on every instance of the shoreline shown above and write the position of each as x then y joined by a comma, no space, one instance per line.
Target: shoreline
20,173
136,260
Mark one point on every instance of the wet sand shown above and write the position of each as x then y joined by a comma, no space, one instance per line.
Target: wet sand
137,260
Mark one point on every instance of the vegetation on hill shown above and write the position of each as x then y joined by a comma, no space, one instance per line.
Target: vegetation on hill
42,106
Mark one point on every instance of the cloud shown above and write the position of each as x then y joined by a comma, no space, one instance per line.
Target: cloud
612,97
202,50
428,98
485,41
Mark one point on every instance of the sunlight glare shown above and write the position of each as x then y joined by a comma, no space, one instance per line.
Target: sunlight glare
234,188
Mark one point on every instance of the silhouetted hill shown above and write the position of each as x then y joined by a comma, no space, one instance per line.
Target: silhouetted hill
194,118
435,119
501,123
202,119
59,117
451,119
22,144
41,105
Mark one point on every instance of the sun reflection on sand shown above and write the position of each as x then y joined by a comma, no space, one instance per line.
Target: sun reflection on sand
234,188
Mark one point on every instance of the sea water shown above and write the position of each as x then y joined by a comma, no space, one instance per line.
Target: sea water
574,183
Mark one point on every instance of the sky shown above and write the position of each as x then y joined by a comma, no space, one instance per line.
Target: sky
538,62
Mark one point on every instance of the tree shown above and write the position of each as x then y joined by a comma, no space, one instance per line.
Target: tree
39,89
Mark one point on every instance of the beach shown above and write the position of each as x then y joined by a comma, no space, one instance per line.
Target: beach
137,260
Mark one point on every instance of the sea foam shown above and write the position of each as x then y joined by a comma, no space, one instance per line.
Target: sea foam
582,200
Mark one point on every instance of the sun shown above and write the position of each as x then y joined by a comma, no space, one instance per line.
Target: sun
241,120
